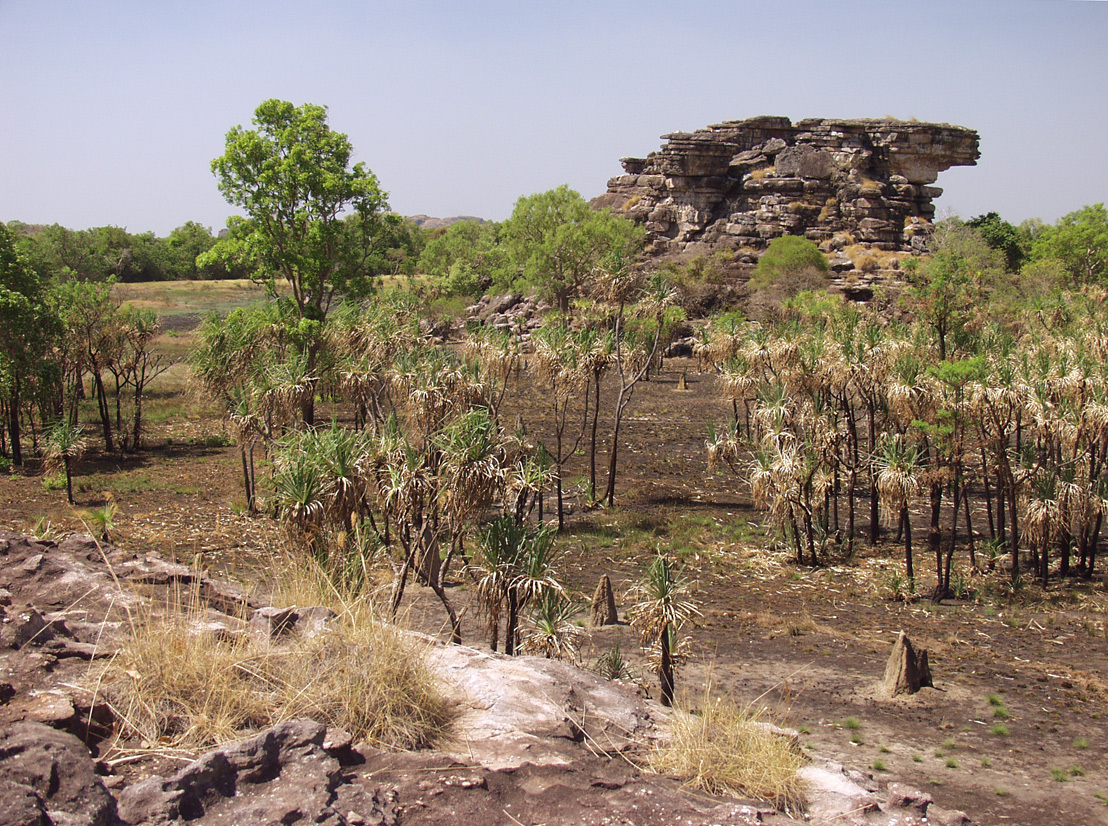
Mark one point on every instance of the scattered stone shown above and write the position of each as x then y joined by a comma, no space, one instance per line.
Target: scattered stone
907,670
938,816
25,627
603,609
272,623
51,708
900,796
315,620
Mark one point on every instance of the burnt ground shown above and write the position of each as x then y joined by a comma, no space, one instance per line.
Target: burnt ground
809,644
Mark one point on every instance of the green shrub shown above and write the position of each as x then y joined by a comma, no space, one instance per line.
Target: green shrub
789,255
55,482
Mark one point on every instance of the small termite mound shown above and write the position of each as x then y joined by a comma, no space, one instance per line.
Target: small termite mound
603,610
907,670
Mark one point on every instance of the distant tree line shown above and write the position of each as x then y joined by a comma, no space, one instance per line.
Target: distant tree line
102,253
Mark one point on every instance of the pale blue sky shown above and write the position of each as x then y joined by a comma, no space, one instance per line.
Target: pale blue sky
112,111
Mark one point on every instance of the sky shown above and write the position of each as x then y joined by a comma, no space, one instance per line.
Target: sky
112,111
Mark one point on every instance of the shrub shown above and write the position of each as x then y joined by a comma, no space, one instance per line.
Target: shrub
789,255
55,482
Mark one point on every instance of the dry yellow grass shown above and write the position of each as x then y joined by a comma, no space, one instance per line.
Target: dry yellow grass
728,749
181,682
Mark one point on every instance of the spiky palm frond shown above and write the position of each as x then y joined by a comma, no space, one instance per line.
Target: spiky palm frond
65,444
661,599
898,474
299,491
537,566
551,632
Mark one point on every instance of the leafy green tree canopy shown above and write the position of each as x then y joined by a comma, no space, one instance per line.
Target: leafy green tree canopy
1003,237
555,239
1080,241
466,258
28,327
313,218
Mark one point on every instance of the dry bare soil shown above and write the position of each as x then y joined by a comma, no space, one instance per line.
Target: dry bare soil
1016,730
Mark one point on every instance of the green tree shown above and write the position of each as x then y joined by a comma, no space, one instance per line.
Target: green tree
29,327
555,240
949,288
1003,237
1080,241
177,254
65,445
313,219
465,258
661,607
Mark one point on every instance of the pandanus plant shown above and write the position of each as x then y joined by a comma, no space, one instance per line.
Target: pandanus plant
662,606
513,565
65,445
898,484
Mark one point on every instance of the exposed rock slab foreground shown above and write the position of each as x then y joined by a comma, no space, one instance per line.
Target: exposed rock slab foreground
537,741
738,184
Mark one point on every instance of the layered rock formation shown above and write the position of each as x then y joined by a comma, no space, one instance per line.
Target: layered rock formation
739,184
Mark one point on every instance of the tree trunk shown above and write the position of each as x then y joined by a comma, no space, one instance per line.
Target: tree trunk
558,483
68,480
935,540
592,437
511,630
105,412
455,623
13,420
246,480
874,514
665,669
610,492
906,525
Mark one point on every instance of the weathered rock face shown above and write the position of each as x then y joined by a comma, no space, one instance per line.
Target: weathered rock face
739,184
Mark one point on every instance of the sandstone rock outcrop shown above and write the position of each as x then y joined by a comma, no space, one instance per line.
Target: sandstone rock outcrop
739,184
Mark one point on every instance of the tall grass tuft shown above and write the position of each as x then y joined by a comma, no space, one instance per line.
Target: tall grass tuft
180,682
728,749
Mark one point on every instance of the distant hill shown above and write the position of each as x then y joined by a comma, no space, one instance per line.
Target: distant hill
427,222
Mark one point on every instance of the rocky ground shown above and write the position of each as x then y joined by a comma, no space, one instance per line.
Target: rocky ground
536,741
